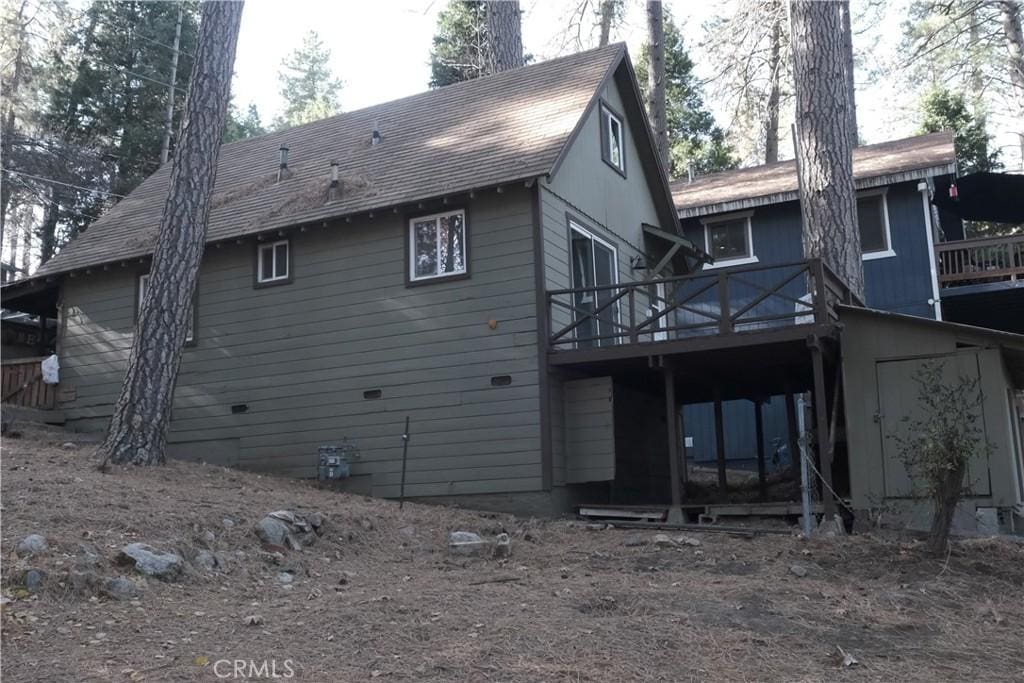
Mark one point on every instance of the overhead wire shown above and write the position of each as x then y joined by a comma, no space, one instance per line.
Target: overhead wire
11,171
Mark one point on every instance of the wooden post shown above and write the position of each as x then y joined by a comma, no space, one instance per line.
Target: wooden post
685,471
720,440
821,428
792,431
675,515
762,475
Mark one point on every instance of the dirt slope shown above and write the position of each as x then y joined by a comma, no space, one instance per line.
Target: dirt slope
378,596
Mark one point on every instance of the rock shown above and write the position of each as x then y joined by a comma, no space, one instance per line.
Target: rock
88,555
33,544
663,541
69,445
205,560
152,562
466,544
634,541
290,530
502,546
228,523
285,577
83,581
121,588
209,537
688,540
34,579
798,570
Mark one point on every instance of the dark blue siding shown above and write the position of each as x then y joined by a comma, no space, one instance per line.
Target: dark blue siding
900,283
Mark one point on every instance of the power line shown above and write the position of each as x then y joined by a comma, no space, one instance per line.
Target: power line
50,201
57,182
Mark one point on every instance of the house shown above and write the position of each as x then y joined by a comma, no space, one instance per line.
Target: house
387,263
502,263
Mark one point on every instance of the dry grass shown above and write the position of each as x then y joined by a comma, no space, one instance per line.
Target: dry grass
378,596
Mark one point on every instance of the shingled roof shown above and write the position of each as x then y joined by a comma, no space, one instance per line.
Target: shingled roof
490,131
873,165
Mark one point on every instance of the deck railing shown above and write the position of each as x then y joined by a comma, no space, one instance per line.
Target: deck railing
989,259
718,302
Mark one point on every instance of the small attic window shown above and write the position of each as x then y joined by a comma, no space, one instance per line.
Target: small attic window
613,147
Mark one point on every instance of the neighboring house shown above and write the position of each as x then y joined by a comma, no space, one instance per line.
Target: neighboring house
752,216
411,287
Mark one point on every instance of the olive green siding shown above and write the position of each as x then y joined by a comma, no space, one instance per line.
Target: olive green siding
875,347
605,203
300,356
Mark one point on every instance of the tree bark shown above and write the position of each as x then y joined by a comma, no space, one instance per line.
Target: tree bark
504,29
138,428
1009,14
656,78
48,230
828,204
608,9
848,68
771,128
946,498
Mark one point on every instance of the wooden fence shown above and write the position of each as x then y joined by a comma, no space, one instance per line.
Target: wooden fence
22,384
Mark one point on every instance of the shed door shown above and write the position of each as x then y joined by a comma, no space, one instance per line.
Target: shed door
589,430
897,399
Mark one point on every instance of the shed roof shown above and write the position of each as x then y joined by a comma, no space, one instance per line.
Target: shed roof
481,133
873,165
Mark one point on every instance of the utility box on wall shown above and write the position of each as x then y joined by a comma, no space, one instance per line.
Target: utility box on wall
335,462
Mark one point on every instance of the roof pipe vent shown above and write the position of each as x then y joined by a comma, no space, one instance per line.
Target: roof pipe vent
282,169
375,137
332,189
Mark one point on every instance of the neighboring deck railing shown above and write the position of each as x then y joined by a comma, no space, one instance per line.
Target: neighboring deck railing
989,259
22,384
718,302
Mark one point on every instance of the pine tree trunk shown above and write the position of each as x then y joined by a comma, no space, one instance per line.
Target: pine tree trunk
771,129
10,88
138,428
607,19
828,202
48,230
848,68
1009,14
656,78
504,28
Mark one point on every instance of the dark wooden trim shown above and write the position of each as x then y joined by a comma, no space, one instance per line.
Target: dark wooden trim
591,107
543,369
256,284
821,427
409,217
792,431
605,156
723,483
762,475
672,424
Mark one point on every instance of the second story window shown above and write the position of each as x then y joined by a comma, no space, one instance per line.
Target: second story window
613,146
873,221
729,240
437,246
273,263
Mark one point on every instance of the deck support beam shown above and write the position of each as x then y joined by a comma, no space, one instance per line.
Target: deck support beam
720,441
822,437
675,513
792,432
762,475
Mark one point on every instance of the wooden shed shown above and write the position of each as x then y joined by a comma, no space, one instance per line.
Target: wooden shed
882,352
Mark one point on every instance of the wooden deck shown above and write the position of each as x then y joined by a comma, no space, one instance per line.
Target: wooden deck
980,261
708,310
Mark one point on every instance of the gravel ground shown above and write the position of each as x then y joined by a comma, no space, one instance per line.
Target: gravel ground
379,597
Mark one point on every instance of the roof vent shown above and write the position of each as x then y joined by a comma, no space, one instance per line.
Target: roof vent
375,137
282,169
332,189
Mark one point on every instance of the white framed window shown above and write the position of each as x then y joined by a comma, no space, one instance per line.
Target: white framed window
613,146
873,223
437,246
273,262
190,335
729,239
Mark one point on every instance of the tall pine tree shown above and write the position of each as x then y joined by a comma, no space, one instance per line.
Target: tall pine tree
695,141
459,51
308,86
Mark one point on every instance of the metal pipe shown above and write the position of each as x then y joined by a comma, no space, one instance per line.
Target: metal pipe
405,455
